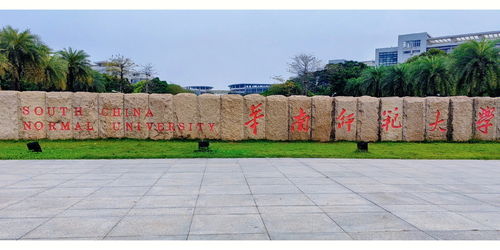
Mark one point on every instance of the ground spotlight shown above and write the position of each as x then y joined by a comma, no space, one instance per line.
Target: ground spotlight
203,146
34,146
363,146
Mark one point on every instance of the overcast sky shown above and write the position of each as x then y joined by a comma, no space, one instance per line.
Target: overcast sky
218,48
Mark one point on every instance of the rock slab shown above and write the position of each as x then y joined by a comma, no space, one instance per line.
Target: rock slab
413,119
111,115
485,120
232,117
299,118
32,124
59,115
322,112
391,119
461,118
345,118
209,106
10,110
254,117
136,111
436,118
85,114
276,118
368,120
162,121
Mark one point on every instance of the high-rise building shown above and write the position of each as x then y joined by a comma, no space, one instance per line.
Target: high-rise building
410,45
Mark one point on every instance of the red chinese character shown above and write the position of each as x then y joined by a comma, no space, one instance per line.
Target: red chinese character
300,120
484,119
255,115
389,120
435,124
345,120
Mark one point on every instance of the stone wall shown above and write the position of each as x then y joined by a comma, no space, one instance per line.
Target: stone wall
81,115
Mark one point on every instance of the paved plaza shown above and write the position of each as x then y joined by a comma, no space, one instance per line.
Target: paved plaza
250,199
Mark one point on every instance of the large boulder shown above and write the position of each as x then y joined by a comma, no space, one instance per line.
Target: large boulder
111,115
161,125
391,119
59,115
368,119
413,119
322,111
187,116
276,118
209,123
345,118
10,110
485,122
461,118
299,118
136,107
436,118
232,118
85,115
254,117
32,124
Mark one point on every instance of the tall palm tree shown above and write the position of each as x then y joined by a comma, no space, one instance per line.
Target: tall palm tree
51,73
4,64
395,82
79,74
477,67
372,79
22,50
430,76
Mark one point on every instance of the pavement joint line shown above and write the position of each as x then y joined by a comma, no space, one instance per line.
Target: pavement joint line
205,162
255,203
309,198
133,206
64,210
372,203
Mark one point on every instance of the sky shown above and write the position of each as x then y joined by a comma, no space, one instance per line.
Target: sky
218,48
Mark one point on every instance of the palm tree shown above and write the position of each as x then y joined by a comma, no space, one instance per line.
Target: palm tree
476,66
430,76
51,73
22,50
353,87
79,74
4,64
395,82
371,81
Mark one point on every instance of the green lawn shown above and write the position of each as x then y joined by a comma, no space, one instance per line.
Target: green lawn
129,148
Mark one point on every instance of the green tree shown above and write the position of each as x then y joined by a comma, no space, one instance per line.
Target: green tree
79,74
429,53
334,77
22,50
395,81
372,81
155,85
353,87
50,74
476,67
287,88
430,76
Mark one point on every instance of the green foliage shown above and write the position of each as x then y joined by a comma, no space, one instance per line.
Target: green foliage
372,80
431,77
129,148
396,81
287,88
476,67
430,53
336,76
79,75
157,86
22,50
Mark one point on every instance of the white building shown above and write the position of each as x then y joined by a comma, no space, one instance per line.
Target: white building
410,45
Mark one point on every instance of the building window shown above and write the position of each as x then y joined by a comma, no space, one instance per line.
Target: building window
407,51
388,58
416,51
411,43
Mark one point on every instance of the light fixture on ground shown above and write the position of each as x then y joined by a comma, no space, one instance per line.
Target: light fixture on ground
34,146
203,146
363,146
